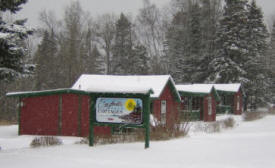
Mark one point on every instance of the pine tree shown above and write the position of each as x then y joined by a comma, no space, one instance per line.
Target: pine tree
175,46
184,44
228,64
122,49
46,61
12,35
210,14
255,66
140,58
193,53
271,64
271,60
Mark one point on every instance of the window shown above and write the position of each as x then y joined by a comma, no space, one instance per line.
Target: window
238,103
163,111
209,99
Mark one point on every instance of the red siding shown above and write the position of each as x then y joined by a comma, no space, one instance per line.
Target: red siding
238,112
70,110
171,107
39,115
85,117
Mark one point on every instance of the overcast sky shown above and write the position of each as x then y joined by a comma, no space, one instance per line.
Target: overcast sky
96,7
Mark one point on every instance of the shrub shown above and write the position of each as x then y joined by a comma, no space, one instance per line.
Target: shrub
6,122
272,110
137,135
229,122
45,141
217,126
251,116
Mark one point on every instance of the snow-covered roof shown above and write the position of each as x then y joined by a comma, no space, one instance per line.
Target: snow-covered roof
43,92
232,87
116,83
206,88
195,88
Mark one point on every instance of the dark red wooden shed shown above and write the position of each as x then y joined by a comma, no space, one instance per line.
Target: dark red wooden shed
199,101
63,112
231,95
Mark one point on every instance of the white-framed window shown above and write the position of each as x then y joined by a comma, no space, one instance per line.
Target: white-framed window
209,100
163,111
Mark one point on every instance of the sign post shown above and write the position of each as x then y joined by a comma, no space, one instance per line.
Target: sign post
123,110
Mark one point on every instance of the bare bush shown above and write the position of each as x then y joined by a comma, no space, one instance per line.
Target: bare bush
6,122
159,132
271,111
228,123
251,116
217,126
45,141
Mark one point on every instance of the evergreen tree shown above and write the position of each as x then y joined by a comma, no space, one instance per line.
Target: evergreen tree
12,35
140,60
271,61
210,13
184,44
255,66
193,53
175,46
46,61
228,64
122,49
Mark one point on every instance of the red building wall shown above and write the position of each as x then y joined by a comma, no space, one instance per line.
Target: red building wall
70,111
85,115
46,115
238,111
206,116
39,115
171,107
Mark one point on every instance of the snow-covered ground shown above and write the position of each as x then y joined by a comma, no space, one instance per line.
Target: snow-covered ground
248,145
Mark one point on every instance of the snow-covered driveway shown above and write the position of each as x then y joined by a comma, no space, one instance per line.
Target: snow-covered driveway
249,145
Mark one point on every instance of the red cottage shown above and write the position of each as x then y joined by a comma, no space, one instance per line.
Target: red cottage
164,100
232,95
199,101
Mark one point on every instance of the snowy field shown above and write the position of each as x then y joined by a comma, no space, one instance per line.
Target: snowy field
248,145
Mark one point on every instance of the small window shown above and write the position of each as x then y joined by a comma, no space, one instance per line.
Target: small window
209,99
163,112
163,107
238,103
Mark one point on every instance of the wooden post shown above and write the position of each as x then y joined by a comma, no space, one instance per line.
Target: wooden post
19,115
147,121
91,134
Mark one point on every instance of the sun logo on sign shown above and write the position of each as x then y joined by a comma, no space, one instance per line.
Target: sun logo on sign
130,104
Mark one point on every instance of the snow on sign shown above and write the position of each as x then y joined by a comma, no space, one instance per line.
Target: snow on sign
119,110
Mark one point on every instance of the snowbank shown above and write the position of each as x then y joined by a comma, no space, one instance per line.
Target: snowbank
249,145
